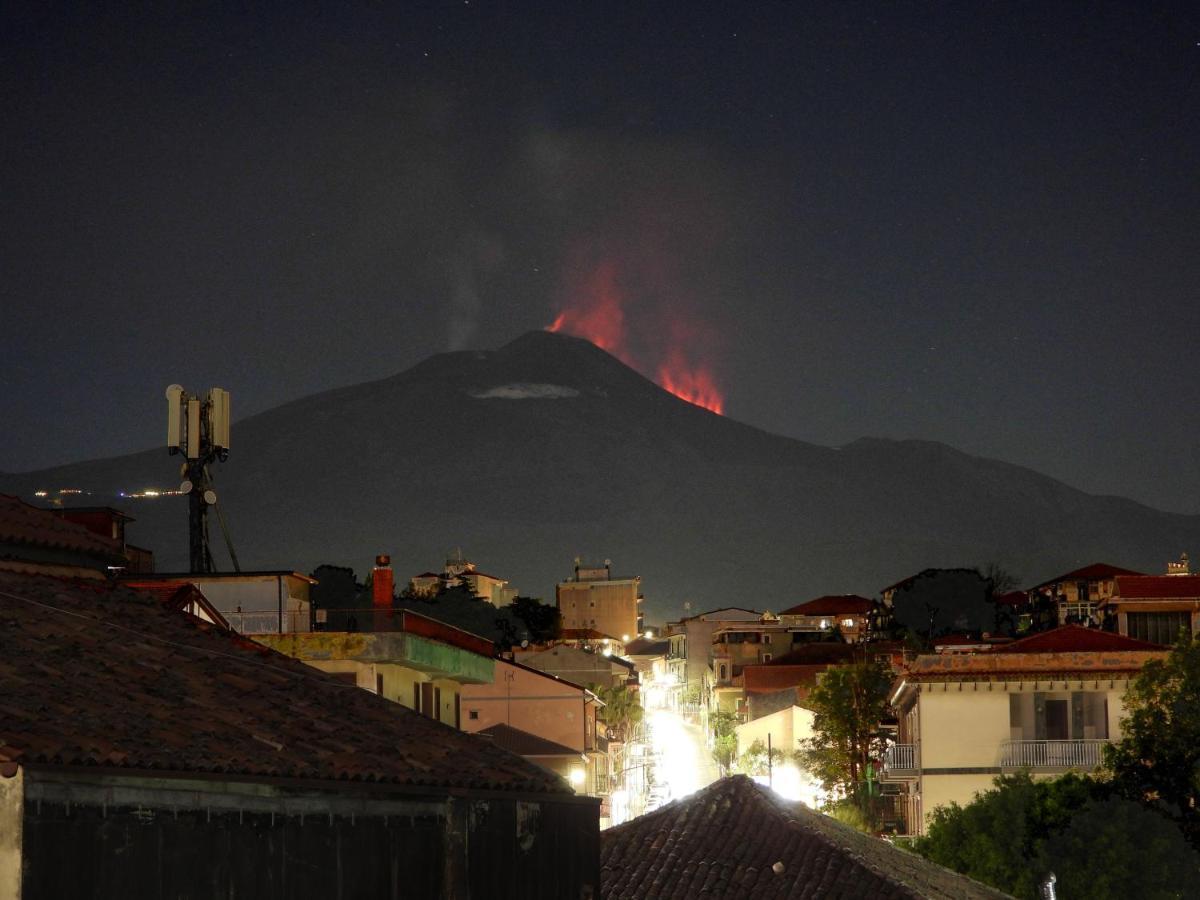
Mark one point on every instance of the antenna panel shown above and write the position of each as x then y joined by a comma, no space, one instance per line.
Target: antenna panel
218,418
174,416
193,428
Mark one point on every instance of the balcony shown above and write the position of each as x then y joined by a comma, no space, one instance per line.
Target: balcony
1051,754
901,761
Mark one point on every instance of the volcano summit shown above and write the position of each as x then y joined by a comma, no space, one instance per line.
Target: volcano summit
549,448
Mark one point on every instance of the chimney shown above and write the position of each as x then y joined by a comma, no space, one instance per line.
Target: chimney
381,582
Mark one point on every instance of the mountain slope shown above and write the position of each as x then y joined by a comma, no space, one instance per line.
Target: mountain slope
549,448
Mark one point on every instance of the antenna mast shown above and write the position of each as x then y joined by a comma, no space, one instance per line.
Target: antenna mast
198,428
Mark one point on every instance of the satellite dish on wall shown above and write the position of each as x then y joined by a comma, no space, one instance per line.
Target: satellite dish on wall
186,487
210,497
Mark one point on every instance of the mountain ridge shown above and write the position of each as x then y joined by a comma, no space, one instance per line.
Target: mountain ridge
548,448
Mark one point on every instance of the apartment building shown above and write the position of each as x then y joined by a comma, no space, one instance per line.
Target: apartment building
1048,703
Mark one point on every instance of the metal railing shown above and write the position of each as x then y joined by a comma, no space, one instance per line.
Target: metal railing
1051,754
269,621
899,814
901,758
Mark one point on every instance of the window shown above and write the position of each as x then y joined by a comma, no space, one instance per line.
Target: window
847,623
724,673
766,639
766,657
473,714
1159,627
417,696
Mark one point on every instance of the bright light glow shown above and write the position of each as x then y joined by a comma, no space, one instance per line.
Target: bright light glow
649,633
625,638
683,763
792,783
39,493
577,776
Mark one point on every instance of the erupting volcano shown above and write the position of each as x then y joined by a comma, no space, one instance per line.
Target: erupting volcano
596,312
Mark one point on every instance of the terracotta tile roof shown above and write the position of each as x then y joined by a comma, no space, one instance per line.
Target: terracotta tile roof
1075,639
735,839
1067,651
101,675
1094,572
23,524
514,740
841,605
1158,587
770,678
179,596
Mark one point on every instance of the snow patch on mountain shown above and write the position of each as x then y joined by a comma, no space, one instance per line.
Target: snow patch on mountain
525,391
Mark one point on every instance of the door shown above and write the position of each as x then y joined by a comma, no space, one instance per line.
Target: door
1058,720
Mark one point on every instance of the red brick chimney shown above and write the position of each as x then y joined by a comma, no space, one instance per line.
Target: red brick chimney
381,582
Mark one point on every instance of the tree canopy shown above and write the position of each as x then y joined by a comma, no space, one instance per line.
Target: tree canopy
1098,847
722,725
1157,762
848,706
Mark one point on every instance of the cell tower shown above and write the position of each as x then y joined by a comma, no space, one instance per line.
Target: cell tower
198,428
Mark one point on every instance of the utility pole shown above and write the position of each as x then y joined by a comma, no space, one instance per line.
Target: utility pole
198,428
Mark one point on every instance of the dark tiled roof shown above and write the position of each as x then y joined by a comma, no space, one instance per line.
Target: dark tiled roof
584,634
99,675
1012,598
648,647
815,653
514,740
735,839
842,605
23,524
1075,639
1158,587
1094,572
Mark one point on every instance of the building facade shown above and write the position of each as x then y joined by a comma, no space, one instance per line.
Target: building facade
1047,703
594,599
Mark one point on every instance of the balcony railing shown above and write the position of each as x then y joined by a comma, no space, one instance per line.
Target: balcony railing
1051,754
899,814
900,759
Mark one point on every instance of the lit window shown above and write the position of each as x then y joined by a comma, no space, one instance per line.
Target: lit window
847,623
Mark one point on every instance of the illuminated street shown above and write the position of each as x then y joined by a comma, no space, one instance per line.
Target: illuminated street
683,763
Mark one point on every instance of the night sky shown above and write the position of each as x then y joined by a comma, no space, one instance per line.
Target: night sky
972,223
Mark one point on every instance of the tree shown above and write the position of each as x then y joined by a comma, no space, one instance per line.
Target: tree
1157,762
941,600
999,582
1014,835
543,621
724,739
848,705
996,838
754,760
622,711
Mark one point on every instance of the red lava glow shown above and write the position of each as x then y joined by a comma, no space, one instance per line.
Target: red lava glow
694,384
597,314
